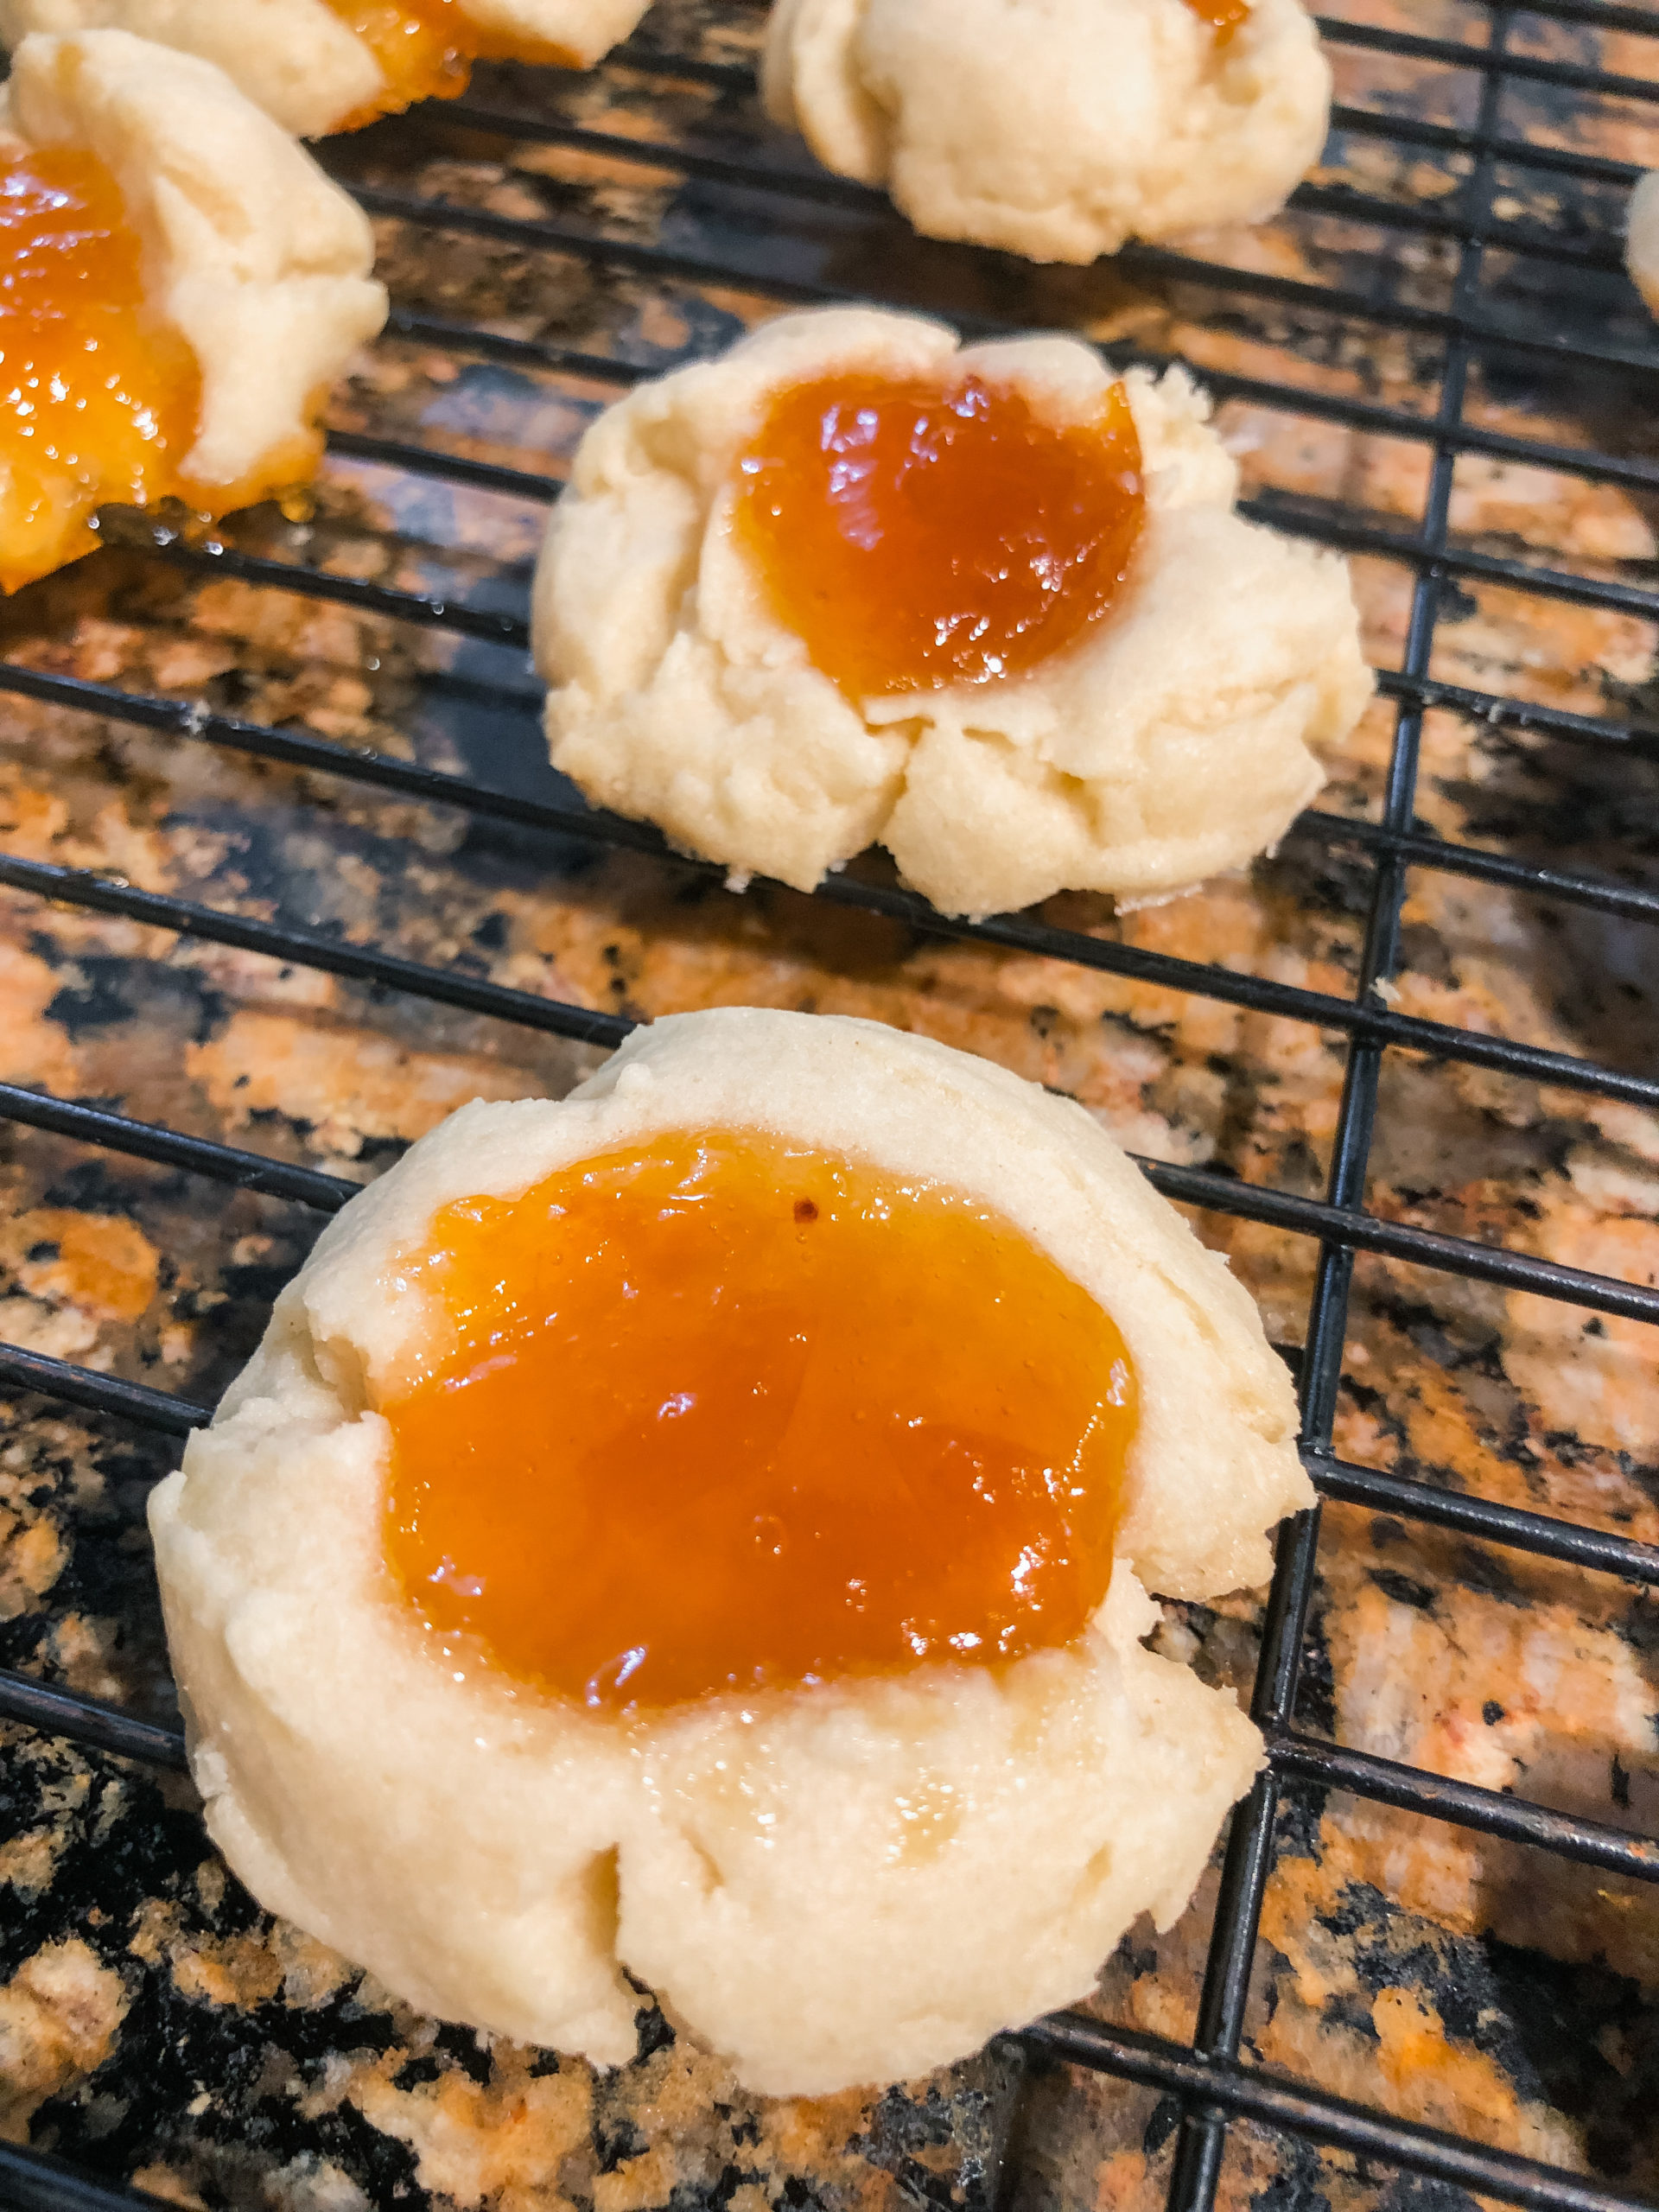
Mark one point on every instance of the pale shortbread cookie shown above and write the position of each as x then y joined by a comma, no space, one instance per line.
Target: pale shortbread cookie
299,61
577,32
853,1883
1171,741
250,251
1054,128
1642,240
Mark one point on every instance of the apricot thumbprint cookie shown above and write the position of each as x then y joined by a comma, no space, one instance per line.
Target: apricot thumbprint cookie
697,1535
990,606
179,285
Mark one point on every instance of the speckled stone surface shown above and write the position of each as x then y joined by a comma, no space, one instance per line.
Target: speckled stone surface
154,2024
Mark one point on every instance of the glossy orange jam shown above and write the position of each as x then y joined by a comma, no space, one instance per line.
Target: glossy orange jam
717,1412
917,534
426,49
98,398
99,395
1223,17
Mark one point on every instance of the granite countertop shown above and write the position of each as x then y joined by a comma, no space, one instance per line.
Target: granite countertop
154,2024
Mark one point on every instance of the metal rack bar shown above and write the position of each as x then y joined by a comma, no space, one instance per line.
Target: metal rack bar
99,1725
248,1170
1409,548
1599,15
22,1370
1252,2092
309,948
214,558
33,2181
1334,30
88,1720
823,186
1492,61
1527,717
297,748
1441,1797
1364,1018
1470,1514
1384,421
1195,1187
1250,1850
1224,384
1624,900
1448,138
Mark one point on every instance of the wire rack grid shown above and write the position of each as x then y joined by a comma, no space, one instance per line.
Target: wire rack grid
1508,54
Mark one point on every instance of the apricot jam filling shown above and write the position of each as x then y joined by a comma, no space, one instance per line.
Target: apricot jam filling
1223,17
719,1412
916,535
426,49
99,397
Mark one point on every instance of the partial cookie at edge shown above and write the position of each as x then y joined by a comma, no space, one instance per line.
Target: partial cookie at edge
257,259
1059,131
294,59
301,63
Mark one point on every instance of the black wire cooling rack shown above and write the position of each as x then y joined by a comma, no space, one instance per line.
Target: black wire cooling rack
1476,323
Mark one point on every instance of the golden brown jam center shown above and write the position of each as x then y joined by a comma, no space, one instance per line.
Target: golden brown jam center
717,1412
916,535
98,398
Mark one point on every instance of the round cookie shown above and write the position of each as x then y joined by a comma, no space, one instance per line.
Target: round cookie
498,1856
1056,129
1176,738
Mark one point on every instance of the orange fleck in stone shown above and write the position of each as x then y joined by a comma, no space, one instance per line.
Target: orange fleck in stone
916,535
100,1263
718,1412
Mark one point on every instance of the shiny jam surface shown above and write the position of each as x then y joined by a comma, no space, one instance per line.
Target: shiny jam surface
917,534
1223,17
98,399
427,48
718,1412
